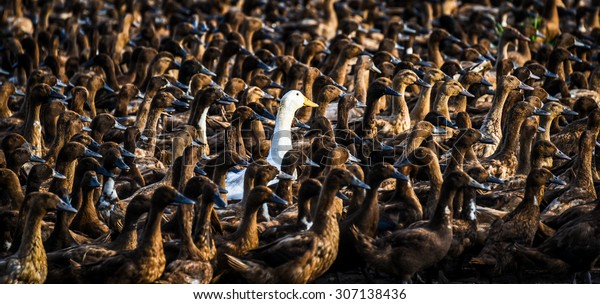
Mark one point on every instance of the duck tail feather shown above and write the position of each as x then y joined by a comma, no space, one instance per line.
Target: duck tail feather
237,264
535,258
371,253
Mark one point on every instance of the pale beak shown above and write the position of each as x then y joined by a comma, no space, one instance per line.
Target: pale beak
309,103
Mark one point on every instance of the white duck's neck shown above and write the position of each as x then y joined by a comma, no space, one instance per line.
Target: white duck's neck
282,135
202,125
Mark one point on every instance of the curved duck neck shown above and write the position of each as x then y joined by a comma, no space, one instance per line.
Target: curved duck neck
281,142
423,105
31,242
400,109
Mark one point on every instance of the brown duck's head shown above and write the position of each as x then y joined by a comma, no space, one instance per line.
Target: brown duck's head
541,176
471,54
156,83
511,82
451,68
23,155
90,181
511,33
379,88
244,113
408,77
42,202
382,171
544,148
454,88
329,93
263,194
230,158
468,137
43,172
471,77
80,95
112,157
43,93
340,177
11,142
74,150
460,179
235,86
254,93
211,194
584,106
69,123
167,195
479,174
162,100
95,83
538,70
85,140
560,54
104,122
264,171
554,108
309,189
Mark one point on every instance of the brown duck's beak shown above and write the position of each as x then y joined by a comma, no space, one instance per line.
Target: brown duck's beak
309,103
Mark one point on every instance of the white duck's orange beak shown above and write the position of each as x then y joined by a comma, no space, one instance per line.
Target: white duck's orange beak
309,103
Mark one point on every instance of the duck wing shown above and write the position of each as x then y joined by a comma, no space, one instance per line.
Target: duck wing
284,250
115,269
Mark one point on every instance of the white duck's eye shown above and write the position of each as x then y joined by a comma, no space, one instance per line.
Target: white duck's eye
297,94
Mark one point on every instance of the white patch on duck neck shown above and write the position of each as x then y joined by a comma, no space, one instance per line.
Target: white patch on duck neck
109,195
306,223
202,125
535,201
265,212
473,207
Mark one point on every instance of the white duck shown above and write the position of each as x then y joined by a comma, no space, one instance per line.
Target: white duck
281,142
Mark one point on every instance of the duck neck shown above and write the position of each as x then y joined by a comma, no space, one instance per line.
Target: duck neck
342,117
367,215
66,168
340,69
457,158
414,140
502,53
442,215
584,173
122,102
203,231
4,110
324,215
546,123
435,180
461,100
525,145
510,140
423,105
400,109
247,232
188,249
87,212
57,144
144,110
32,131
441,103
127,239
282,140
304,216
492,122
532,198
433,49
248,185
369,128
151,242
31,241
284,189
361,83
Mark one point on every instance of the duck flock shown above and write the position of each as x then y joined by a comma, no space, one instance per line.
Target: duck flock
262,141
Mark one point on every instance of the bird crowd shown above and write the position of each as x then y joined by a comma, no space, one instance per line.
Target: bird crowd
299,141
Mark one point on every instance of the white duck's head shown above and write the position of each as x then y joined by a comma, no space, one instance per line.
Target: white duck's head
294,100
